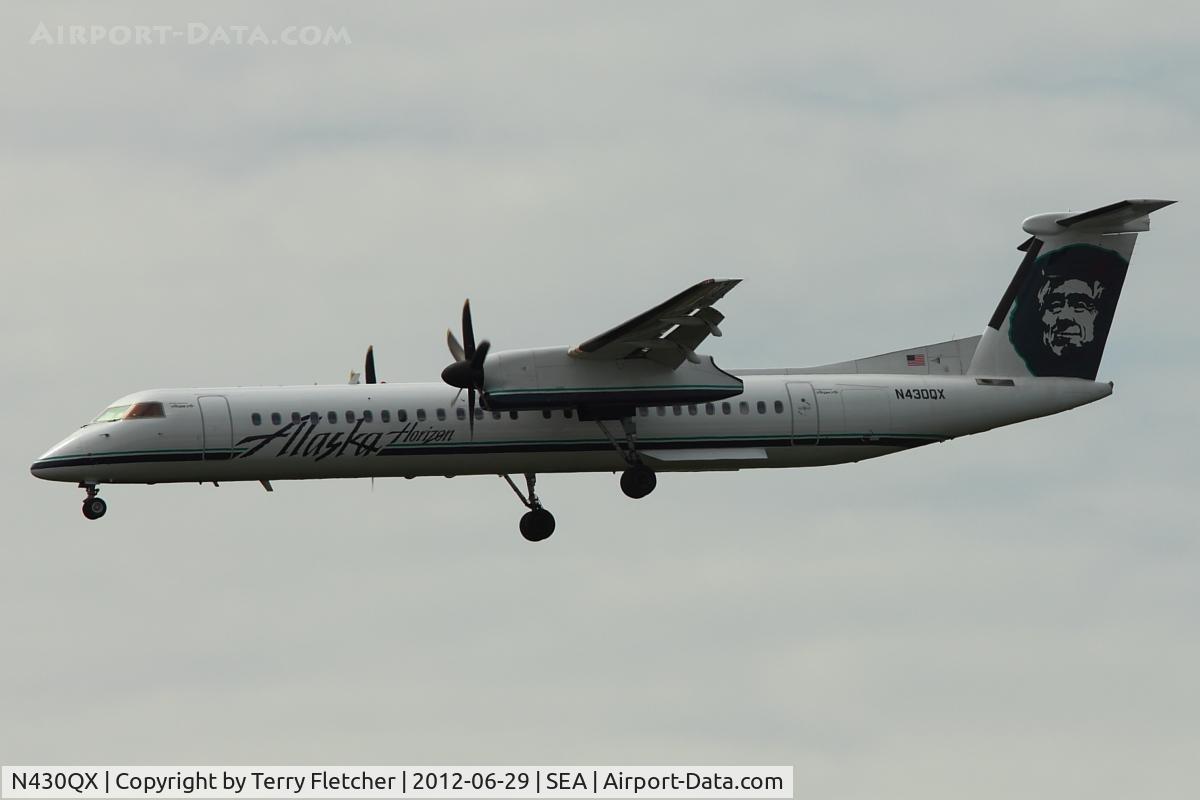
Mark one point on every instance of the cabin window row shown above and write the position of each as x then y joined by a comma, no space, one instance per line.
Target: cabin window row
743,407
367,416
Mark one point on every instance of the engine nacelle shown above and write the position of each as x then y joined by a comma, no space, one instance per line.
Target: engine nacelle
551,378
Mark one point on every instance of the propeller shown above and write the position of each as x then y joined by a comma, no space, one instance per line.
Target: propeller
467,370
369,370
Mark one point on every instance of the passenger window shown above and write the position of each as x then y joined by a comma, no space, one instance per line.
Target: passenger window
478,413
332,417
402,416
743,407
692,410
546,413
441,414
256,418
460,413
495,415
420,415
778,406
662,411
385,416
568,413
710,409
349,416
368,416
676,410
314,417
276,419
643,411
762,407
512,415
726,408
295,416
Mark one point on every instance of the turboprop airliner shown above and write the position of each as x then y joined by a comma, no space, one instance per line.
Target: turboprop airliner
639,399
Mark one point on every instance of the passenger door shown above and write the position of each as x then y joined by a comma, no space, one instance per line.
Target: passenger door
218,427
805,422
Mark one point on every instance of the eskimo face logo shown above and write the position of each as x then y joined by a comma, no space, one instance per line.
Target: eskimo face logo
1064,310
1069,308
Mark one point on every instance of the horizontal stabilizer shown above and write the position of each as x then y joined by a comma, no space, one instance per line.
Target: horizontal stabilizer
1126,216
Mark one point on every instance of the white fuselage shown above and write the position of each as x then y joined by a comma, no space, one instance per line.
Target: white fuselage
409,430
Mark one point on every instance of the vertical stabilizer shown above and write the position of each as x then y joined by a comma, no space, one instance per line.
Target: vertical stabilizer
1054,318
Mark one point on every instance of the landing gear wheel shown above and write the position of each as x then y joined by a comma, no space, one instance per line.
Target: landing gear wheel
94,508
638,481
537,525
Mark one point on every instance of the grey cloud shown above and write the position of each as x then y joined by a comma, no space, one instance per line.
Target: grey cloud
1012,612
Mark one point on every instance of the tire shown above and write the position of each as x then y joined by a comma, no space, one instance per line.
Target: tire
94,508
537,525
637,482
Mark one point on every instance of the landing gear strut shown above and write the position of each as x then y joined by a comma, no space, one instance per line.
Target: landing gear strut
537,523
637,480
93,506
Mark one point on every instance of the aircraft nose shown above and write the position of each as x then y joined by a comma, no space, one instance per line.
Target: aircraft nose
55,464
43,466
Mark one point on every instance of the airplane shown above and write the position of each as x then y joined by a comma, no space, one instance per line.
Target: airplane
639,398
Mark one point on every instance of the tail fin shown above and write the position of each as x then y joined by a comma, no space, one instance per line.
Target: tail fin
1055,316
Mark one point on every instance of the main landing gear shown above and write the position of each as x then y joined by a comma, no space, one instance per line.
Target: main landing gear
537,523
637,480
93,506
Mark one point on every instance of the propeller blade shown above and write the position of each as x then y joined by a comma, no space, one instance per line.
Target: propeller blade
467,370
456,349
471,411
468,331
477,360
369,370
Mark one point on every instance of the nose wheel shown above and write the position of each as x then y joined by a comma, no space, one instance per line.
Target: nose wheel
537,523
93,506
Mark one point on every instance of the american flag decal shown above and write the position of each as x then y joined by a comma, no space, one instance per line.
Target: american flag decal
915,359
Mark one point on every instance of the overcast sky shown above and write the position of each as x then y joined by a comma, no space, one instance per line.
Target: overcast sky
1014,613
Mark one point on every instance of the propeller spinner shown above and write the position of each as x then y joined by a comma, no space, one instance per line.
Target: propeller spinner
467,370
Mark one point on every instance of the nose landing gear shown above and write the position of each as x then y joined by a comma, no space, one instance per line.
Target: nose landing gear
93,506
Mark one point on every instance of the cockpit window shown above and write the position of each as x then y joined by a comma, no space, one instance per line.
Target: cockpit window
112,414
143,410
135,411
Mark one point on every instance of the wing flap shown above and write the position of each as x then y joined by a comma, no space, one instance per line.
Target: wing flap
688,316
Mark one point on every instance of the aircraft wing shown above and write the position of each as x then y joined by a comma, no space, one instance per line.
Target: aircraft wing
669,333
